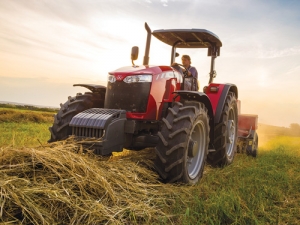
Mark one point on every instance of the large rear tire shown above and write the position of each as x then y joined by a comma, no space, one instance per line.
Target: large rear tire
60,129
183,145
225,141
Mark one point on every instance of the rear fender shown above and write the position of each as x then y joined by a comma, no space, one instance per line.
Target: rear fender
203,98
92,87
218,98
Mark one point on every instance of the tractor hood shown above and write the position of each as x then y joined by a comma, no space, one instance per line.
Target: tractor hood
140,70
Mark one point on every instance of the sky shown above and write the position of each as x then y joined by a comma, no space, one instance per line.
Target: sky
46,46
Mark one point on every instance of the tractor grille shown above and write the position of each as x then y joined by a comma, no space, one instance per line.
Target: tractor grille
131,97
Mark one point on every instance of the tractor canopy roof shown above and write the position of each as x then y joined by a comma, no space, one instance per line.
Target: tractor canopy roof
188,38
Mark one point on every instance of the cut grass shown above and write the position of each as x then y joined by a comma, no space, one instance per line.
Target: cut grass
28,107
25,116
57,184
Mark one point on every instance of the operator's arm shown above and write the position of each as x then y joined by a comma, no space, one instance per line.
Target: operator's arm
194,72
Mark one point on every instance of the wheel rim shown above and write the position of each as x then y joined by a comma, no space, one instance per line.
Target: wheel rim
195,163
231,133
256,142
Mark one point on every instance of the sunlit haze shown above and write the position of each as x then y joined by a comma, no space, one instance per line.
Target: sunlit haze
47,46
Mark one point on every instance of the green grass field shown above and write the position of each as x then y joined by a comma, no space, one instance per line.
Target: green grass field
21,127
262,190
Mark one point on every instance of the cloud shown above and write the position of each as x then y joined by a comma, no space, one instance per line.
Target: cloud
164,2
31,33
275,53
80,40
260,52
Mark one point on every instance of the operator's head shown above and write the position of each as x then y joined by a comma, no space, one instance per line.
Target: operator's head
186,60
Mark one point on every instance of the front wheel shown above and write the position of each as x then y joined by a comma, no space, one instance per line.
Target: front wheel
60,129
183,146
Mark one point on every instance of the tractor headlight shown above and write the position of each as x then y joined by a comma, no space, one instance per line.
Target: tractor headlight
138,79
111,78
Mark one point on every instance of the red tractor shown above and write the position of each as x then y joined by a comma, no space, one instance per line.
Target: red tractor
153,106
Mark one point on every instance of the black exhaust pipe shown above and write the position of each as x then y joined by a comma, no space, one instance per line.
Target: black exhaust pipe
147,50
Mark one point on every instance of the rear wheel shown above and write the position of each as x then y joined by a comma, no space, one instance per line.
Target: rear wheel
60,129
225,134
183,146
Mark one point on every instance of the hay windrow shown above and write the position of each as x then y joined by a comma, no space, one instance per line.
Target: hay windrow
61,184
11,115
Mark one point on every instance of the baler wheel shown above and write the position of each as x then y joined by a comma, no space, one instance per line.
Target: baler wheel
183,145
253,150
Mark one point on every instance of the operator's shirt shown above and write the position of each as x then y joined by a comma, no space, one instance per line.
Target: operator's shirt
193,71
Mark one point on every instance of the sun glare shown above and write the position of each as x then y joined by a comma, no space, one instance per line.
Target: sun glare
263,78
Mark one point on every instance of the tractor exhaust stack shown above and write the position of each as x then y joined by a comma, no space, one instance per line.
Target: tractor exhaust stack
147,50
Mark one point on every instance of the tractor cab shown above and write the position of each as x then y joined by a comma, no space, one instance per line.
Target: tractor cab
184,38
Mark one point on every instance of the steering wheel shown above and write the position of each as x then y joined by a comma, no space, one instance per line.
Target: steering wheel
185,72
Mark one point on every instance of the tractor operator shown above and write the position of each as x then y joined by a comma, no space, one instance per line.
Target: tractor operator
188,70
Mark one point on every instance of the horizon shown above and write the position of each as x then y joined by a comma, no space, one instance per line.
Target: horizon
46,47
53,107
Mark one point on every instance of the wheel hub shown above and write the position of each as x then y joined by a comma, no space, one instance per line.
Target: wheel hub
230,136
192,149
196,150
231,131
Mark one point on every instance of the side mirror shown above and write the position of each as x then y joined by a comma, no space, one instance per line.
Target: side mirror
176,54
134,53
